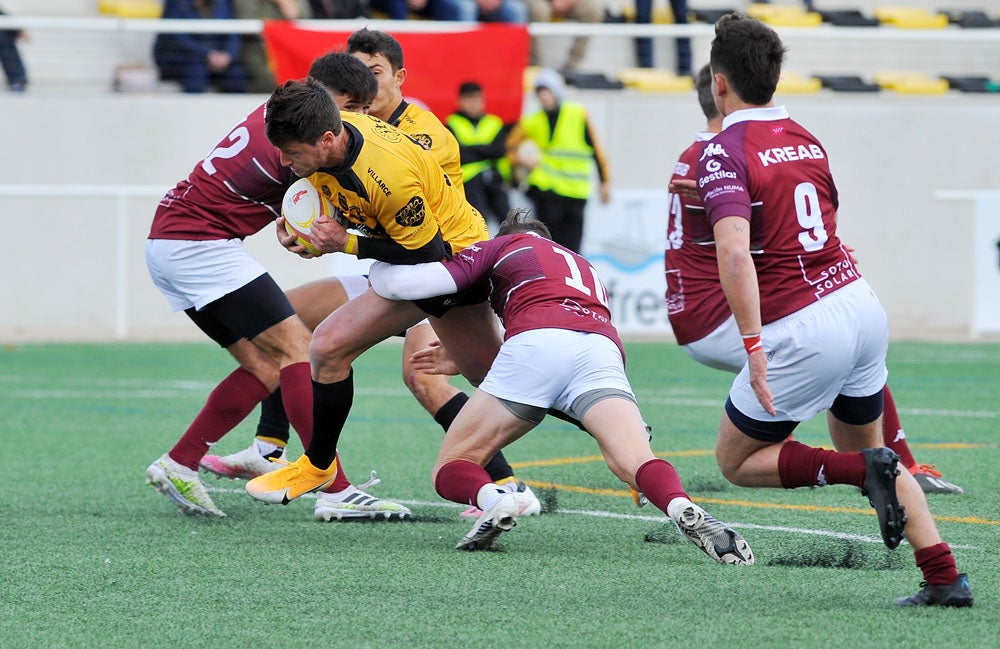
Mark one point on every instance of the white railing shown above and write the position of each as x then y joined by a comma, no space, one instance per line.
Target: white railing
120,194
949,34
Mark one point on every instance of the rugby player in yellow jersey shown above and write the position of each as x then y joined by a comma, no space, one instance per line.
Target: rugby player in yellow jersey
316,300
385,185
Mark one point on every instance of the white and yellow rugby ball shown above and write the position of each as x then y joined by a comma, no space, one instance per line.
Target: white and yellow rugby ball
301,206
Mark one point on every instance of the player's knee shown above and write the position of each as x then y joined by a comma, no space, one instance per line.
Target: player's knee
328,351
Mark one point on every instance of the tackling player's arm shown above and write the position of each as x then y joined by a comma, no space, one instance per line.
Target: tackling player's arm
413,282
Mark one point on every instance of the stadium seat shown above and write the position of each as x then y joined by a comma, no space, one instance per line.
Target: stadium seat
847,18
653,80
783,15
911,18
846,83
711,16
591,81
792,83
971,19
662,15
131,8
972,84
911,83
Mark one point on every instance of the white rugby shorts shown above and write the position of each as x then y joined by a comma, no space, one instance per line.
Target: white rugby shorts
196,273
551,368
722,349
834,346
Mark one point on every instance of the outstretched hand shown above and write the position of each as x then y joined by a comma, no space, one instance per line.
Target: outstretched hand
433,359
685,188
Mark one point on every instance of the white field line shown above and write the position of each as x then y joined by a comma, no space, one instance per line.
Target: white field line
650,519
123,389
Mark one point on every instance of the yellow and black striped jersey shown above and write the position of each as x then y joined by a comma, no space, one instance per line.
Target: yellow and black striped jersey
391,187
424,127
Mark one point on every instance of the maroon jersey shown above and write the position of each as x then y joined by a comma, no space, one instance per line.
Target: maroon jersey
233,193
696,304
536,284
766,168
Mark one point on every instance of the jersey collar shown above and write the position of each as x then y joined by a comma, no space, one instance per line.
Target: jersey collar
768,114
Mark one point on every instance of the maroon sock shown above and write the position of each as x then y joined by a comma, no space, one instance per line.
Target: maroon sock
460,481
937,563
228,404
659,482
297,397
340,482
891,428
804,466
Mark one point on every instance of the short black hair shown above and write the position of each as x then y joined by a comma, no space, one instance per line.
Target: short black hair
373,42
703,86
469,88
518,221
300,111
344,74
749,54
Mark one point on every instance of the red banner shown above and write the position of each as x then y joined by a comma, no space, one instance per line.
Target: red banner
493,55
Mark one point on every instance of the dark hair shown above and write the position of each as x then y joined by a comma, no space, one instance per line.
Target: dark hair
300,111
749,54
469,88
343,74
517,221
703,86
373,42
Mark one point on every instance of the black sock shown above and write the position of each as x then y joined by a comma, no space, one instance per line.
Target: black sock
447,413
331,405
273,421
497,467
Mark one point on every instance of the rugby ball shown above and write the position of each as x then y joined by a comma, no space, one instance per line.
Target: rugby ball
301,206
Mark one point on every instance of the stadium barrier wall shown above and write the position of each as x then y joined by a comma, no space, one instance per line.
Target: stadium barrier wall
73,253
84,171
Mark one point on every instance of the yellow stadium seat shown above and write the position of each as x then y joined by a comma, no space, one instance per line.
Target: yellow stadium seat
131,8
911,18
911,83
792,83
661,15
784,15
653,80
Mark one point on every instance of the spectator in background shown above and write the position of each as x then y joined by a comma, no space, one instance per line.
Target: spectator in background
340,9
482,139
497,11
196,60
644,45
10,59
253,56
560,177
545,11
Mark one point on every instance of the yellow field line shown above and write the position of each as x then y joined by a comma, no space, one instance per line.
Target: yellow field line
560,461
973,520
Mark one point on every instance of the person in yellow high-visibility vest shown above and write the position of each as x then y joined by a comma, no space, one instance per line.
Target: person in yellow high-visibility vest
561,173
482,140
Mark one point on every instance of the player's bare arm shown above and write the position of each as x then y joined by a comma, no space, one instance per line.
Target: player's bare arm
738,277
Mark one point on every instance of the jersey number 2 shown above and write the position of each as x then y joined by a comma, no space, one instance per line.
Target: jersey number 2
240,138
